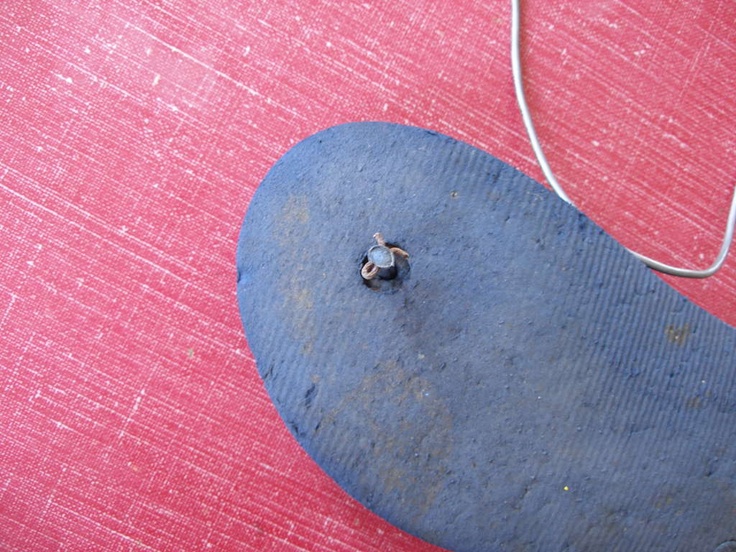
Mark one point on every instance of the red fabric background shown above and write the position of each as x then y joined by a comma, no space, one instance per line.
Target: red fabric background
132,136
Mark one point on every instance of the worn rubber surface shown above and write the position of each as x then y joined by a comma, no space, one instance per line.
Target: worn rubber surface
528,386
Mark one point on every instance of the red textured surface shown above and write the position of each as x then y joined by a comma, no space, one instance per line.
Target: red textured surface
132,136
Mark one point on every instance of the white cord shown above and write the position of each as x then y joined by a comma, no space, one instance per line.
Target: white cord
549,175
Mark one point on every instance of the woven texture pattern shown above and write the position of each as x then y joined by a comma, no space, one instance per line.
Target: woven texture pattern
133,135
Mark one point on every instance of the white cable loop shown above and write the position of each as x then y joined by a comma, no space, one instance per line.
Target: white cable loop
549,175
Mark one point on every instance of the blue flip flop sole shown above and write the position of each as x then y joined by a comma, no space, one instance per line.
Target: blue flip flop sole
524,384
